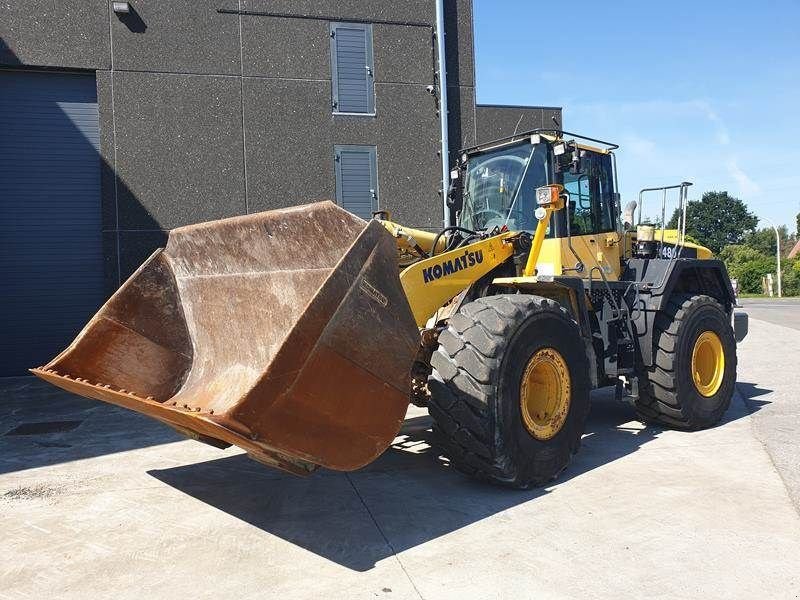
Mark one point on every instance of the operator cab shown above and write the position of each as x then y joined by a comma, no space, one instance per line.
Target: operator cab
498,182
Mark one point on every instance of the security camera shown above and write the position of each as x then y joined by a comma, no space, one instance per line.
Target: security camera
431,90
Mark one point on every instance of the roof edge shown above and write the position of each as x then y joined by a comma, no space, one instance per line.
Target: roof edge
481,105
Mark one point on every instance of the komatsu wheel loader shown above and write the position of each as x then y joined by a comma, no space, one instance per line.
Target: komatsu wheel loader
301,335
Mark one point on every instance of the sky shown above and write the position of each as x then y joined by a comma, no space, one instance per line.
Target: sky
704,91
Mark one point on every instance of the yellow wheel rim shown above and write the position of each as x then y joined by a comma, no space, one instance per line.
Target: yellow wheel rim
545,394
708,364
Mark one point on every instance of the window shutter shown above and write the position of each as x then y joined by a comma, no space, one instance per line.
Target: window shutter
352,68
357,179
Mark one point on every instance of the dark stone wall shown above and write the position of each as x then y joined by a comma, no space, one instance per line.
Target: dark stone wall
70,34
206,114
497,121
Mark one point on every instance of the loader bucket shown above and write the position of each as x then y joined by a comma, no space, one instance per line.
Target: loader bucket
286,333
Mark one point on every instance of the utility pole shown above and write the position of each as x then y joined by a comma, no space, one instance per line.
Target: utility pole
777,254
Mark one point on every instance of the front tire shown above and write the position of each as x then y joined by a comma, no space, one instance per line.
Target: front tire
510,389
691,382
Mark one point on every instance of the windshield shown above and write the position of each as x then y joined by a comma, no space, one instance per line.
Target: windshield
500,187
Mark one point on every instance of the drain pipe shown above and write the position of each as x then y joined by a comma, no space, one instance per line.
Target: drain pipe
445,150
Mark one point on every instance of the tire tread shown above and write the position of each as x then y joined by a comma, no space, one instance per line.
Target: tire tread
659,401
463,388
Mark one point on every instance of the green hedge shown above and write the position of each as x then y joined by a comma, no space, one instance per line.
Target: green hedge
748,266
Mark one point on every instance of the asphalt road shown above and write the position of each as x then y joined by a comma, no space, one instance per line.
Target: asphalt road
783,311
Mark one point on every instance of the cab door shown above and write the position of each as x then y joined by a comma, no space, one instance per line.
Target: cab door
593,216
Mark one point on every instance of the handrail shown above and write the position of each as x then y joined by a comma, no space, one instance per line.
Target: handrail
683,203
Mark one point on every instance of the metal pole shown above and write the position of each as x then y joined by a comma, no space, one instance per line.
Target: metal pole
777,254
443,108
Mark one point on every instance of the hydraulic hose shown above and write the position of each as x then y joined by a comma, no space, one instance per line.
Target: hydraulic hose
469,232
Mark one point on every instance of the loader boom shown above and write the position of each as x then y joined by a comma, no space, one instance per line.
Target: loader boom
431,282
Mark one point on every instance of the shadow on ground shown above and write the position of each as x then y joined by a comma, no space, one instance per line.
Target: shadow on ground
406,498
750,393
43,425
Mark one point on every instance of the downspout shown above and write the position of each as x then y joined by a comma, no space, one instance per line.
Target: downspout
445,150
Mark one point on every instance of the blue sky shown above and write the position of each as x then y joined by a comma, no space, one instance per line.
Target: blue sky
704,91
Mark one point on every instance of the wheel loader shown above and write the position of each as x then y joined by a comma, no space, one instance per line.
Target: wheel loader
302,334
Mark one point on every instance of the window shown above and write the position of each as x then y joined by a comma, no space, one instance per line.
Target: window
591,197
500,187
356,170
352,69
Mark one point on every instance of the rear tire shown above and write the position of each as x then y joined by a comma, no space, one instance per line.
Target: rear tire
484,353
671,391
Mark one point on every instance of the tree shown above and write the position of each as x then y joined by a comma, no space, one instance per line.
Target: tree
763,240
797,224
717,220
747,266
791,277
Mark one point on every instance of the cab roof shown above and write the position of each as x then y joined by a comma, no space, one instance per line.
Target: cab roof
552,135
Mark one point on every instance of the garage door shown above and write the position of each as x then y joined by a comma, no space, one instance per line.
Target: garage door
51,263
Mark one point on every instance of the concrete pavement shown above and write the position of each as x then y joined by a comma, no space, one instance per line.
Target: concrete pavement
769,380
109,504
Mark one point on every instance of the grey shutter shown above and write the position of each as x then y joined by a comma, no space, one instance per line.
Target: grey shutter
352,68
357,179
51,261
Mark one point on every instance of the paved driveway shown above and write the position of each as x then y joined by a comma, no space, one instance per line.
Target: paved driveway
109,504
769,380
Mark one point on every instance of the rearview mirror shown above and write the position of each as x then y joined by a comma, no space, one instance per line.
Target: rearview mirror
567,156
454,195
575,163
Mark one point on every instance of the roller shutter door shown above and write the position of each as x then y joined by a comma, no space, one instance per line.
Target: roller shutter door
51,262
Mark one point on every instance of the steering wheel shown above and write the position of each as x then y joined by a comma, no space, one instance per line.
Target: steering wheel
492,214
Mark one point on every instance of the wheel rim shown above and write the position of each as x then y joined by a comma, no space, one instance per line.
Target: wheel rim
545,394
708,363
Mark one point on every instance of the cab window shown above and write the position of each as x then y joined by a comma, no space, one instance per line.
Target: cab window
591,195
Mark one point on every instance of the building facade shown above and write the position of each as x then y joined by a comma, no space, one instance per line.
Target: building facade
494,121
119,123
